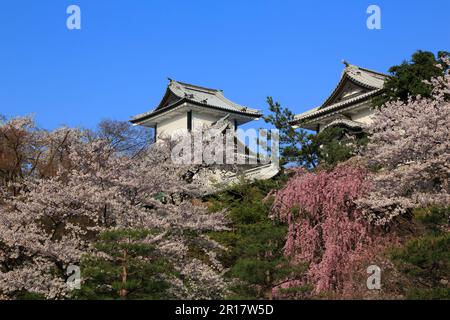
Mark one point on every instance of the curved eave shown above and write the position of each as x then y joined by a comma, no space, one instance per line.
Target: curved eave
166,96
181,90
157,112
345,123
337,90
334,107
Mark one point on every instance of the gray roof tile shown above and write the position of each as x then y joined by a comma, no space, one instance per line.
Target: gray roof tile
366,78
184,92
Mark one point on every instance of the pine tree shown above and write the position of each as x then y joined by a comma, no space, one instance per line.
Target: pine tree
255,257
326,148
409,78
126,266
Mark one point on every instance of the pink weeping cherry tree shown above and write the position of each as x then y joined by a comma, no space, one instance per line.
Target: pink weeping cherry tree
327,231
333,215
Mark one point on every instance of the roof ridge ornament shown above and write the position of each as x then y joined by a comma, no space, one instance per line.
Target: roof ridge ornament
178,93
345,62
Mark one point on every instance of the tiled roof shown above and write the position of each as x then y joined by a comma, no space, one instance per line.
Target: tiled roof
208,96
365,77
319,111
180,92
371,81
346,122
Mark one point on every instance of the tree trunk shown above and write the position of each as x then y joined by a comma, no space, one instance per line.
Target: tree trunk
124,292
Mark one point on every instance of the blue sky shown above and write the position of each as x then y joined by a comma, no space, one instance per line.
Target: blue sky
117,64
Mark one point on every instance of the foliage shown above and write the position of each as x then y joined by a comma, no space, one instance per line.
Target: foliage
112,202
328,147
50,221
254,257
18,146
27,151
425,259
295,144
409,155
125,138
126,266
433,219
409,149
337,145
326,229
408,78
438,293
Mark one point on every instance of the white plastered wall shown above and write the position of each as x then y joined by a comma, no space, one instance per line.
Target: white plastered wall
364,116
201,119
175,124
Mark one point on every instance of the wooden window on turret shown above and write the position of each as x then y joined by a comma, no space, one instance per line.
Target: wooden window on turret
189,121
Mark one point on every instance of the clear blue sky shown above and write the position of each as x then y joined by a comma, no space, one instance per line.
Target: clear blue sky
117,65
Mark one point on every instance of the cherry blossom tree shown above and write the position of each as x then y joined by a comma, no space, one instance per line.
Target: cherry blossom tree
54,219
17,142
410,150
327,231
28,151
